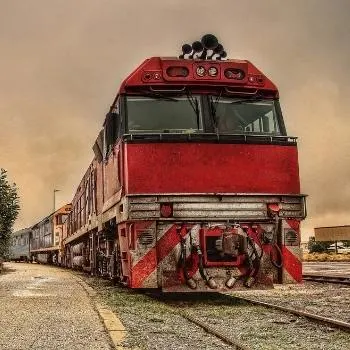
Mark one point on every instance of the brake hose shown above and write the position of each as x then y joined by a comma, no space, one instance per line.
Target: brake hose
201,266
257,259
274,263
259,244
275,245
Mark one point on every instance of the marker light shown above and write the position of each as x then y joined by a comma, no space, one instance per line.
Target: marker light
177,71
157,76
256,79
200,71
152,76
147,76
166,210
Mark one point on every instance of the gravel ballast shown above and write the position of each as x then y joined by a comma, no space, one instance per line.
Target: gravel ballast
153,323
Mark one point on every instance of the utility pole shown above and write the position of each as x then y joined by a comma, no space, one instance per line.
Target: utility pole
54,199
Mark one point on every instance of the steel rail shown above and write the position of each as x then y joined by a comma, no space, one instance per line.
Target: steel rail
327,279
228,340
317,318
233,342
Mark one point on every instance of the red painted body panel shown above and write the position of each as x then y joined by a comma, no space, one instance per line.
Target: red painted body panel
211,168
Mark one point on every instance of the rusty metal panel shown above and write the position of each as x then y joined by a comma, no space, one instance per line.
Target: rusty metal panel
220,214
219,206
332,233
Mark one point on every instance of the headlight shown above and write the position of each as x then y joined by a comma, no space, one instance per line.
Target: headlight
213,71
200,71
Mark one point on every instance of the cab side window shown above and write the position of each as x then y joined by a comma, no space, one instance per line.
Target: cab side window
111,128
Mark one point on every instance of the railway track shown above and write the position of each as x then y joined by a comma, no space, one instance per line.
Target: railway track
233,342
236,344
228,300
345,326
327,279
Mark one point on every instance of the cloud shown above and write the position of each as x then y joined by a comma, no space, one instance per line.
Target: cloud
62,62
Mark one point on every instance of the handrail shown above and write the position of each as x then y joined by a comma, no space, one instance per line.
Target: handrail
209,137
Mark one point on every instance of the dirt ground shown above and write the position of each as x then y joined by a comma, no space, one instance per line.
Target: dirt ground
44,308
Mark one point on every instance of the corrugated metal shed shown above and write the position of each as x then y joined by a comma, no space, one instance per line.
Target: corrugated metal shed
332,233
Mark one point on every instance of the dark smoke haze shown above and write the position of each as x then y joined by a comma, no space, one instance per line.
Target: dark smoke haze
61,63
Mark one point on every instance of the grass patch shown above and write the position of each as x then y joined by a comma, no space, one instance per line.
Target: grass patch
120,298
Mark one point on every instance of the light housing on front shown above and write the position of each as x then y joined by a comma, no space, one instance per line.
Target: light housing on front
256,79
177,72
152,76
234,73
166,210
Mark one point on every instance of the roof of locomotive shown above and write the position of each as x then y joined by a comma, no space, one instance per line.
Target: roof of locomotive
23,231
174,73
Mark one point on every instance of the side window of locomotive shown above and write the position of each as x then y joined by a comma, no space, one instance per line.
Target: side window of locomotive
111,129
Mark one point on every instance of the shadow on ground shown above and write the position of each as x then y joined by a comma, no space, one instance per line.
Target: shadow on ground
5,269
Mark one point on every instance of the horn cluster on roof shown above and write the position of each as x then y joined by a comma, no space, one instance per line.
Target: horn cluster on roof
208,48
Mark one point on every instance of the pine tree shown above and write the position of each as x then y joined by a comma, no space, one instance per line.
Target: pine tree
9,209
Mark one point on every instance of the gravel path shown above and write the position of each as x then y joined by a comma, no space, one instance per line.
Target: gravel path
44,308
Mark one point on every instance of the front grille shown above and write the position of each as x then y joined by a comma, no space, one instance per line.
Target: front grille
145,237
215,207
290,237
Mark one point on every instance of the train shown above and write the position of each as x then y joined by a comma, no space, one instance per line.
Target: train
41,242
194,185
19,248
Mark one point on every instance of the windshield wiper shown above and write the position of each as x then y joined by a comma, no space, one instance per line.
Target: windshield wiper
194,104
214,106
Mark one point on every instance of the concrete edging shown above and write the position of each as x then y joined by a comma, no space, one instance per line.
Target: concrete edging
112,323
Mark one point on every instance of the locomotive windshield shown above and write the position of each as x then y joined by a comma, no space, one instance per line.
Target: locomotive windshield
184,114
164,114
252,116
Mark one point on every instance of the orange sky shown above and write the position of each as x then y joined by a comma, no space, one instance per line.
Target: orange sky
61,63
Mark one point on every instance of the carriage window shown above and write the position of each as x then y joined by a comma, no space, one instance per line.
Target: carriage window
61,218
161,115
244,116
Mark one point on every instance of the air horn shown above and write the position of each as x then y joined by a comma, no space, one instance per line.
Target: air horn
208,48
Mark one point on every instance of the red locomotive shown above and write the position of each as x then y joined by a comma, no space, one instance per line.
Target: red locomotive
195,184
